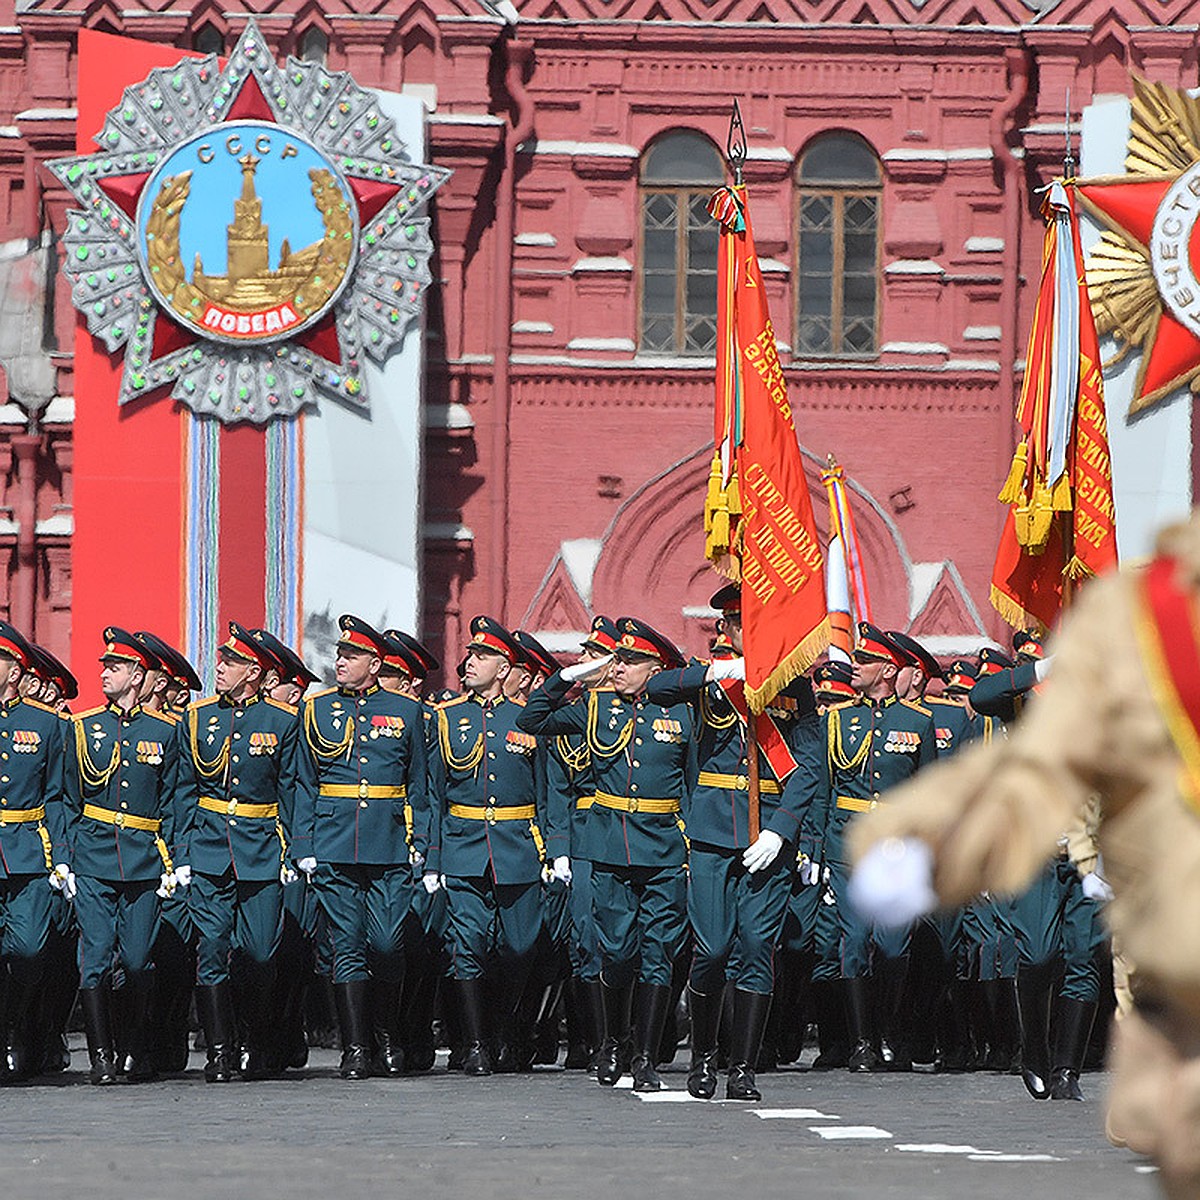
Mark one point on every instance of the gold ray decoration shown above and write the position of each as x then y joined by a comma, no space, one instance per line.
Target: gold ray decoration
1164,133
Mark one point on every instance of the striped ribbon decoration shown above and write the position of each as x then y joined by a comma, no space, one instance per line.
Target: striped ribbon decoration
282,599
203,536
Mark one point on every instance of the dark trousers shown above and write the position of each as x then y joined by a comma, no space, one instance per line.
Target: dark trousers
488,919
115,918
736,919
641,917
365,908
229,914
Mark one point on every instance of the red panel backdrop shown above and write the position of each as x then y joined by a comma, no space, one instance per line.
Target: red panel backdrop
130,467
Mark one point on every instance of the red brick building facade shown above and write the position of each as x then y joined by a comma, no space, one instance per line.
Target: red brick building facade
894,148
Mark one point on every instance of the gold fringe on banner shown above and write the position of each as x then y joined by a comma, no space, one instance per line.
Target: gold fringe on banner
793,666
1077,569
713,500
1013,613
1060,498
1011,492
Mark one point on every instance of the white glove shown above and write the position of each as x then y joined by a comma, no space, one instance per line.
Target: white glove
183,876
287,875
416,859
810,871
166,886
762,854
560,869
1095,887
62,879
893,884
308,865
727,668
431,881
585,669
1041,668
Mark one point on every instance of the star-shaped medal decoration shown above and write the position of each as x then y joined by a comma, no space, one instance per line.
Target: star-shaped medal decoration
250,236
1142,275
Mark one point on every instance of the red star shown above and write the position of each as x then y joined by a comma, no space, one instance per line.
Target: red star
1173,355
248,104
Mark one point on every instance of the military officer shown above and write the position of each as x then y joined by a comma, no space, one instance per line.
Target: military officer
873,743
489,780
285,681
362,762
738,884
238,752
643,762
831,683
122,777
33,847
175,946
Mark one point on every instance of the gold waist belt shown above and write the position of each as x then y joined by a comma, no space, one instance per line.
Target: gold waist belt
363,791
855,804
632,804
584,803
739,783
18,816
122,820
235,808
491,814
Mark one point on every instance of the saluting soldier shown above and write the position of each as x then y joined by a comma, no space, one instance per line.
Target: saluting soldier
872,743
488,778
34,857
122,777
285,680
238,752
738,887
363,763
643,762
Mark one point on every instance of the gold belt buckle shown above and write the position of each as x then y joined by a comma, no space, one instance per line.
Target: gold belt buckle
364,789
489,814
741,783
119,820
633,804
231,808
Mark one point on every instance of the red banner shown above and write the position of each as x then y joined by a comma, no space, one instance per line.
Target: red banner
773,543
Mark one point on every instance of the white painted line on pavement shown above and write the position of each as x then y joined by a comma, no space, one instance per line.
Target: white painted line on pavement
671,1098
625,1085
837,1133
1146,1170
996,1156
940,1148
793,1114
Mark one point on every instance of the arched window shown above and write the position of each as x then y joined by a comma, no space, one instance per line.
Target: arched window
679,245
837,280
208,40
314,45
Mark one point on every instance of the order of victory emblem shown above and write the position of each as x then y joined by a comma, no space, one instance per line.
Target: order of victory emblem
250,236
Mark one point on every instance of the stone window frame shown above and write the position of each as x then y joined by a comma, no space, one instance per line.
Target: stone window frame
687,195
840,193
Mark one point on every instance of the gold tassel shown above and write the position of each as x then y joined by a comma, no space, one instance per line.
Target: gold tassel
718,536
1077,569
1041,517
1060,498
714,500
1010,493
733,497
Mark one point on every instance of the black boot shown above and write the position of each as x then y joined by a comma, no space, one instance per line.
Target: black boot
832,1040
97,1021
545,1030
140,986
653,1002
24,988
575,1009
613,1059
259,1059
350,999
470,996
214,1005
862,1053
1000,996
384,1002
1034,987
1073,1030
706,1020
890,977
592,991
750,1011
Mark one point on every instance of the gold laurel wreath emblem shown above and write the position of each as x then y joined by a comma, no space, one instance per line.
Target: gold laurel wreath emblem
309,293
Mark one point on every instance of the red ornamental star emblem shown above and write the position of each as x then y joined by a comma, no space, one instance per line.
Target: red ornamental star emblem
252,236
1144,275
